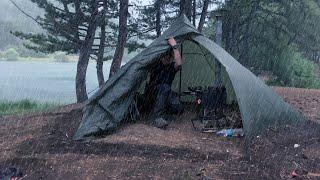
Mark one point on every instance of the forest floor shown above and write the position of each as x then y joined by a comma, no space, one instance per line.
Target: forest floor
40,145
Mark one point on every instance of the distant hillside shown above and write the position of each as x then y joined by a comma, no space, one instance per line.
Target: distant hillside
5,37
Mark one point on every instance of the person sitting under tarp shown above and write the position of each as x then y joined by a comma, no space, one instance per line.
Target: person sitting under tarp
158,91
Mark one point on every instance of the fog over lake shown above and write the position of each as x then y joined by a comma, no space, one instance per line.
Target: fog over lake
44,81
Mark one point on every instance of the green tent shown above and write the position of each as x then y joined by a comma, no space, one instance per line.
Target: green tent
260,107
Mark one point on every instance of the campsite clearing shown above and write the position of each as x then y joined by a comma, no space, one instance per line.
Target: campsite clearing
41,146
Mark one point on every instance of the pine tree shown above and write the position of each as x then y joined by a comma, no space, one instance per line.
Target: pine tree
159,14
71,26
122,37
266,35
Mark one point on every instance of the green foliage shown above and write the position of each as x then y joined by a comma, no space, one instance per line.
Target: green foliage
210,29
295,70
24,52
134,45
145,25
302,72
262,34
42,43
61,21
7,107
60,57
10,54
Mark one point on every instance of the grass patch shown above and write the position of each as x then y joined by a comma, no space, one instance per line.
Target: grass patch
23,106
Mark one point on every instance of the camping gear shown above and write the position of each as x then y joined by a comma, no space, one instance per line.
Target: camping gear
238,132
160,123
259,105
166,101
211,102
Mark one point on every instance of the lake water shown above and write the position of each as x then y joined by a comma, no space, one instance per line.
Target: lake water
43,81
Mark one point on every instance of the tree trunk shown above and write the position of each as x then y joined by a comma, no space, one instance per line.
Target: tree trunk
194,12
122,36
158,17
100,54
218,72
203,15
244,55
186,8
100,75
84,56
182,7
78,11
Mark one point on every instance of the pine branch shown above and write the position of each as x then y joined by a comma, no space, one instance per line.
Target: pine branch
67,35
21,10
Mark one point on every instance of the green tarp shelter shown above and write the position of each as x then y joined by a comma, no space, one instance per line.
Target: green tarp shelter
260,107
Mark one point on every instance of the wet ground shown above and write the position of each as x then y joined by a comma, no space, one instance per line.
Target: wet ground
41,146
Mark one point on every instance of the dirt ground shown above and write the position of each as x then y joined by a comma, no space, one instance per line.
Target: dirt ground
41,146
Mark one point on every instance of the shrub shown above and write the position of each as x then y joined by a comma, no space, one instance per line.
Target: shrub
303,72
10,54
60,57
295,70
24,52
1,55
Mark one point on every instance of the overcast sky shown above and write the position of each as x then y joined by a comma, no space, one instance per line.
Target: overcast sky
9,13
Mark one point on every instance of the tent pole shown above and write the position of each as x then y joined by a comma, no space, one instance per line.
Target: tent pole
218,75
180,71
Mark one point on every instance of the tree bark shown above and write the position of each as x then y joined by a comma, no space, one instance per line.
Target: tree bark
194,12
186,8
78,22
122,36
100,75
158,17
100,55
203,15
84,56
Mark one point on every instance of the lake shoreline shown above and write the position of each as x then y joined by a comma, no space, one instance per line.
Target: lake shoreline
52,82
